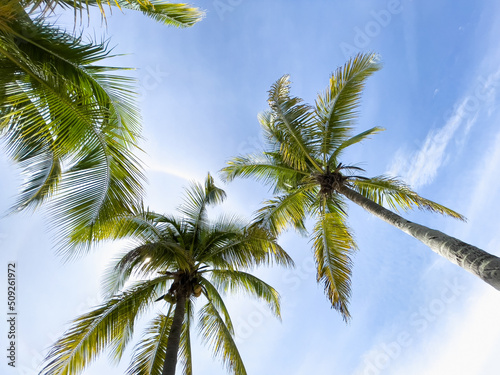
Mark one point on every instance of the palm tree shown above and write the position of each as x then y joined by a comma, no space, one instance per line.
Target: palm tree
70,123
302,163
175,260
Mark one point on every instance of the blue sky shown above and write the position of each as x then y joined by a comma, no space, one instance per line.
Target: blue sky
200,92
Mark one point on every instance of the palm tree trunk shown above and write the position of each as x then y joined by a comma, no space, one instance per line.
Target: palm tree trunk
175,336
471,258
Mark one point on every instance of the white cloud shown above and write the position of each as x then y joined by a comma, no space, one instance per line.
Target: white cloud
419,168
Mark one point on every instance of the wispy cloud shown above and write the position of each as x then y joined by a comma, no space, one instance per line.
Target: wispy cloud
419,168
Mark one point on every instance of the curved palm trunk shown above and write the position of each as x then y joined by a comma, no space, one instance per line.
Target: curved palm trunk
471,258
175,336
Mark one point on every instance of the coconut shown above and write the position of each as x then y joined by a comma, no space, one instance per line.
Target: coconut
197,290
169,298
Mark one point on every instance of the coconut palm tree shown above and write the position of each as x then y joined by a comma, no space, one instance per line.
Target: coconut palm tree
302,164
174,260
70,123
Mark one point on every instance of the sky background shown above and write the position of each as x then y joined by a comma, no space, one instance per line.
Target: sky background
200,91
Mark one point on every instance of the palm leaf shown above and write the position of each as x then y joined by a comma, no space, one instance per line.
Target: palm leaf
261,168
397,195
103,327
198,197
288,209
177,15
149,353
141,225
242,248
85,119
336,109
333,245
332,161
141,262
39,167
294,119
238,281
215,333
212,294
171,14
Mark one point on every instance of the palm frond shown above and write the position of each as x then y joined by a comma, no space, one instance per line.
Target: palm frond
198,197
281,143
171,14
151,257
261,168
215,333
40,168
82,115
286,210
149,353
337,108
333,160
9,11
216,235
333,246
396,194
237,281
143,226
141,262
103,327
102,187
265,248
212,294
294,121
243,248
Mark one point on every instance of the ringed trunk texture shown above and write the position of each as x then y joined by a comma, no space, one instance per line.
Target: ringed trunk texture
175,336
471,258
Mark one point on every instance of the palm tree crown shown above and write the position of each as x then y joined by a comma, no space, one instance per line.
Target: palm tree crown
175,261
302,163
